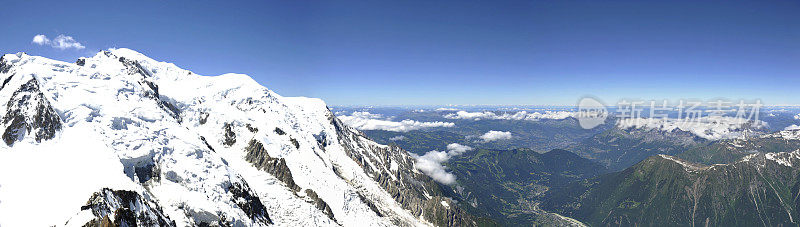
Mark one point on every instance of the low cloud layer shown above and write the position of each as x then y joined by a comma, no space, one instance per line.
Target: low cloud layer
431,163
369,121
61,42
495,135
521,115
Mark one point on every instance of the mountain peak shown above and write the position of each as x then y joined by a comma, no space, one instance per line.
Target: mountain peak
129,53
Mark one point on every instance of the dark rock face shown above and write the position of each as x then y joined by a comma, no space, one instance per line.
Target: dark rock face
407,186
251,128
320,204
207,145
16,130
163,102
29,111
229,137
81,62
294,142
203,118
170,108
6,81
134,67
370,205
4,67
124,208
153,92
249,203
258,156
279,131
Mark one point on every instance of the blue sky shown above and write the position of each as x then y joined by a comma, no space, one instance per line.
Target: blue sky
446,52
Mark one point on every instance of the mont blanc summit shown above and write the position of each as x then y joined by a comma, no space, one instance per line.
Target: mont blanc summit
120,138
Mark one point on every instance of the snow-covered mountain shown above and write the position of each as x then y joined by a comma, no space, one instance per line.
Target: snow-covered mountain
707,127
121,138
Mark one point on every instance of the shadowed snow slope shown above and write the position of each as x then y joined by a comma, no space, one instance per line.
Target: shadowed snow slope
120,126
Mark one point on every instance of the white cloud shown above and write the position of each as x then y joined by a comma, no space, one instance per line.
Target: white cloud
792,127
396,138
521,115
368,121
431,163
66,42
61,42
495,135
458,149
41,40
